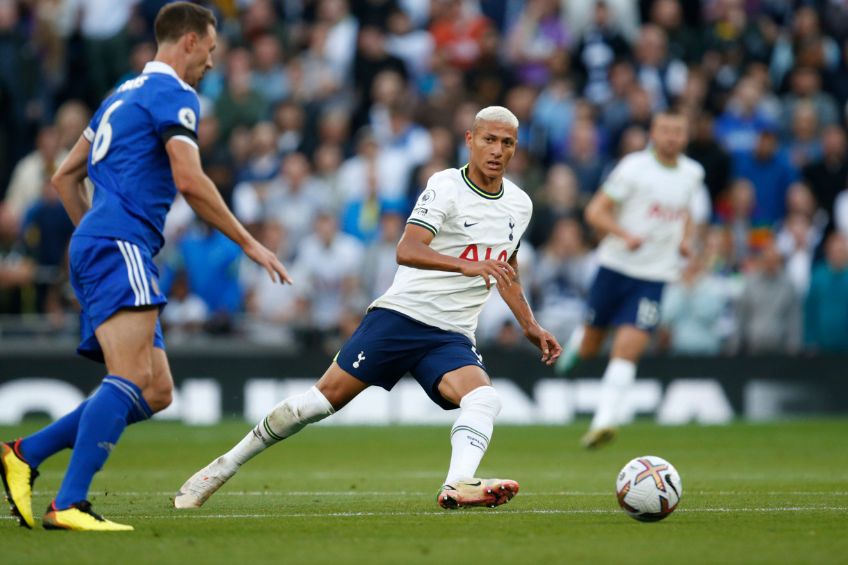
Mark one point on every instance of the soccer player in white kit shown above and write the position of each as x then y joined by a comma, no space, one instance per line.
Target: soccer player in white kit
643,211
462,235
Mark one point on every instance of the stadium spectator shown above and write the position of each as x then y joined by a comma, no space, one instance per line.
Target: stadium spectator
46,231
210,261
292,198
771,172
263,162
584,156
744,117
17,269
599,47
379,263
457,28
826,308
662,75
828,175
269,77
704,148
327,269
534,39
565,268
559,198
33,171
769,309
103,25
273,312
239,104
692,311
411,44
806,89
186,313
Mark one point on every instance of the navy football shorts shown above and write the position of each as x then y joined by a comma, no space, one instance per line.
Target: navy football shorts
110,275
616,299
388,344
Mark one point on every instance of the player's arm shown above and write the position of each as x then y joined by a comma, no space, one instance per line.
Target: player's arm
688,235
414,251
600,214
517,302
68,181
203,197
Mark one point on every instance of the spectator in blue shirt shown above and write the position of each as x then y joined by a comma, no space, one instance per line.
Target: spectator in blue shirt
771,172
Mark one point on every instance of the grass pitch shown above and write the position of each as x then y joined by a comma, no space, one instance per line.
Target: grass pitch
775,493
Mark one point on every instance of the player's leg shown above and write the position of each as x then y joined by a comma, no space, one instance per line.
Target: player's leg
628,346
126,340
331,393
469,388
584,343
21,459
586,340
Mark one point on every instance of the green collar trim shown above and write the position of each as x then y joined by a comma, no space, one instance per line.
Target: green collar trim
477,189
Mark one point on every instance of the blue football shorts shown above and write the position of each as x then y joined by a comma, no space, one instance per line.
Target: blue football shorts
616,299
388,344
110,275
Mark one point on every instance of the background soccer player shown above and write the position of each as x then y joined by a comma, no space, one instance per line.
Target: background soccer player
463,233
643,211
139,149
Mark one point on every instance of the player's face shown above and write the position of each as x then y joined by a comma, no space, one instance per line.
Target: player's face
491,146
670,134
200,58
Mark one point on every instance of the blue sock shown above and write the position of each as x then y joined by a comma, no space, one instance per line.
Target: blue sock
59,435
62,433
101,423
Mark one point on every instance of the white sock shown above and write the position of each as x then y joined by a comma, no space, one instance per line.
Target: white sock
472,431
618,378
286,419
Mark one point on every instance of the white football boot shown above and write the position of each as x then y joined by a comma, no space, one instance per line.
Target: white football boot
204,484
476,492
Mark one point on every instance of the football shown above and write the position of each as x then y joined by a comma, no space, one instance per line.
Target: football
648,488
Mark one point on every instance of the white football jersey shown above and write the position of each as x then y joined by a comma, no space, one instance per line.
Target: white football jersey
468,223
654,201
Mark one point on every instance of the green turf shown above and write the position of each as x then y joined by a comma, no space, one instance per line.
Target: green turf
774,493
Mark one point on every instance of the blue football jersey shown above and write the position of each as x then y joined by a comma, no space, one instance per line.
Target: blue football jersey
128,164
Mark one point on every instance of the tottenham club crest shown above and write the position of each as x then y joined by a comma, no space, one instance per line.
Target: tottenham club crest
511,227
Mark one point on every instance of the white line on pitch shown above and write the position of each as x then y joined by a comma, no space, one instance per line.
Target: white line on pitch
427,493
191,515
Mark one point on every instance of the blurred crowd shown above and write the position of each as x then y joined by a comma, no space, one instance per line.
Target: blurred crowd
323,119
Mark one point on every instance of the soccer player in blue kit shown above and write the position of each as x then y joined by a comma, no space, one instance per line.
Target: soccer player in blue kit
139,150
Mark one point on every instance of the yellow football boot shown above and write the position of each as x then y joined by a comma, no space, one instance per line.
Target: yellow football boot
18,477
80,518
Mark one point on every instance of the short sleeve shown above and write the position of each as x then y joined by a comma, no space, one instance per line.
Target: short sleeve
176,115
433,206
619,185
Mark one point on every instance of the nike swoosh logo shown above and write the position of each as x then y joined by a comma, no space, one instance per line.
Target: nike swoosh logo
467,225
477,484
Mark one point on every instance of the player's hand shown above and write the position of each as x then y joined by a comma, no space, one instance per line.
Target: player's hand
633,242
501,271
265,258
545,341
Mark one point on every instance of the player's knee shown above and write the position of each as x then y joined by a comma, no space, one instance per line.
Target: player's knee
160,398
484,399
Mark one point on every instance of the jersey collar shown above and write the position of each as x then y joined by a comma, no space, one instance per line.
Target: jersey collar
470,184
166,69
